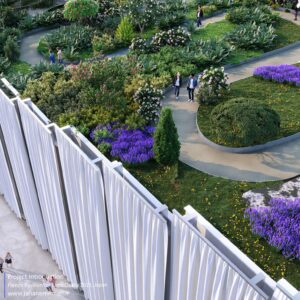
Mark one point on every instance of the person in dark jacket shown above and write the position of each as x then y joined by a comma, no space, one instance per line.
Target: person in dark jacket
177,82
192,84
199,16
297,7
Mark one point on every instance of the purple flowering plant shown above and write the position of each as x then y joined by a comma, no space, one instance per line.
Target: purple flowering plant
129,145
279,224
281,73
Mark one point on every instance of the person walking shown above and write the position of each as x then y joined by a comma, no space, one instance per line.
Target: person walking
192,84
8,259
52,280
47,284
1,264
297,7
59,56
199,16
51,57
177,82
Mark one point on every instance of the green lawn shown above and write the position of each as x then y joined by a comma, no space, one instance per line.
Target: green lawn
218,200
283,98
287,32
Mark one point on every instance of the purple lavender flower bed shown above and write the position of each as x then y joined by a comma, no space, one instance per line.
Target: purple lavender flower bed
281,73
279,224
129,145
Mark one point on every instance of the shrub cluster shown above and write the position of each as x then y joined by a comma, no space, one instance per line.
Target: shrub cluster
244,122
173,37
212,85
252,36
80,37
259,15
149,100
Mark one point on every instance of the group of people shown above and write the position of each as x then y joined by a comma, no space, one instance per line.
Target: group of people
49,283
52,56
191,86
7,260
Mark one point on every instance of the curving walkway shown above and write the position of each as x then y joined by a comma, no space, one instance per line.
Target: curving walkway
279,162
29,44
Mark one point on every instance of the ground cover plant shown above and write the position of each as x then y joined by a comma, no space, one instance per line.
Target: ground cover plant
278,223
282,73
282,98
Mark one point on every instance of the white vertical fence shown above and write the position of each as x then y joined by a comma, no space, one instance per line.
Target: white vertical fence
101,222
44,164
6,184
85,194
16,147
139,241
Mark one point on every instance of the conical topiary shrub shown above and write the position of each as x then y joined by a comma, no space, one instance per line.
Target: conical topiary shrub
166,143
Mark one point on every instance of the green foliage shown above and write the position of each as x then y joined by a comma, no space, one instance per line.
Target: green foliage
87,118
212,85
18,80
5,34
80,9
71,54
140,80
171,20
11,49
149,100
211,52
4,64
209,9
143,13
125,32
47,18
103,44
166,143
10,17
135,121
80,37
252,36
244,122
54,95
42,67
259,15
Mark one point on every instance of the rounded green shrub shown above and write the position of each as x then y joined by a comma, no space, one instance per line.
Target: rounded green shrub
79,9
11,49
166,144
244,122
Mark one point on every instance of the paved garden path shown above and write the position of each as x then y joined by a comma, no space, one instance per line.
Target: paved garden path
280,162
29,262
28,51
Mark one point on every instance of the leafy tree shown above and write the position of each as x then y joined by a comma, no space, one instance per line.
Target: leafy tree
166,143
80,9
142,12
125,31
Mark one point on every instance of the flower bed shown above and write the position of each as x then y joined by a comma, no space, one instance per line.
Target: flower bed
129,145
279,224
281,73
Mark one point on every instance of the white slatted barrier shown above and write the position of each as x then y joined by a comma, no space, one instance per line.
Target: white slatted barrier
85,194
139,241
46,172
6,184
199,271
18,155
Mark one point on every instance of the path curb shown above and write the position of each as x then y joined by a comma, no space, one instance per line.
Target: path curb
263,56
